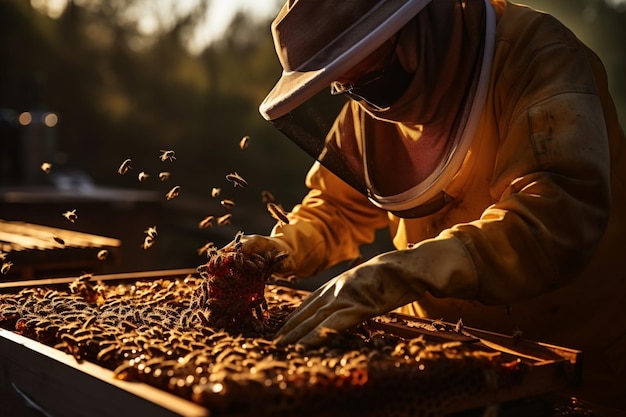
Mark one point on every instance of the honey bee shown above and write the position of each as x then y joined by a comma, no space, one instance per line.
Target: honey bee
46,167
151,231
458,327
125,167
225,219
237,180
215,191
205,248
206,222
165,155
277,213
3,256
147,242
267,197
173,193
142,176
6,266
102,254
244,142
58,240
71,215
228,204
85,277
164,176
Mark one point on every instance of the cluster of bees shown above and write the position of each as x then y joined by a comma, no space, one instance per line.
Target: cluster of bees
150,331
232,289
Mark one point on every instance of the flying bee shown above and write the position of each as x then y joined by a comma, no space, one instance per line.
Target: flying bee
227,204
237,180
173,193
458,327
58,240
165,155
225,219
71,215
125,167
205,248
206,222
102,254
244,142
147,242
277,213
6,266
267,197
215,191
164,176
142,176
85,277
46,167
151,231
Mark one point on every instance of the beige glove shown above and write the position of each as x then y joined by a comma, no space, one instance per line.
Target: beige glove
263,244
385,282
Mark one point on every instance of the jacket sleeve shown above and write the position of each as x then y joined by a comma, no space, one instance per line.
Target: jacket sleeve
330,224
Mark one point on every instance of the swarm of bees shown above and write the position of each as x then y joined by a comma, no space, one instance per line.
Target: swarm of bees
165,155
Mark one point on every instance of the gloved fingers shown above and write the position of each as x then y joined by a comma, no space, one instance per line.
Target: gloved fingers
302,318
314,330
319,308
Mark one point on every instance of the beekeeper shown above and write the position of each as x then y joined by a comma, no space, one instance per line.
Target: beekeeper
483,135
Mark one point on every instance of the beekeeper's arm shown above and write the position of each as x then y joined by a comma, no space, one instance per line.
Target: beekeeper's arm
327,227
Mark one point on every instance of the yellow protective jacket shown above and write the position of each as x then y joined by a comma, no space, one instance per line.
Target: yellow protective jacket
538,221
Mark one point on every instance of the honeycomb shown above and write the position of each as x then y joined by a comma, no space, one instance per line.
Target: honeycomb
156,332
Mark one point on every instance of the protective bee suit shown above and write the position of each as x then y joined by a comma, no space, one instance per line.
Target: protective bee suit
499,170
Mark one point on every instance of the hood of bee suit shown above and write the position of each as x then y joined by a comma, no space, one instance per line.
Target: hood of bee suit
445,49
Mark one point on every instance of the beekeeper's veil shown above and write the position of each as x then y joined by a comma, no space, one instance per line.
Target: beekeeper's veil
432,91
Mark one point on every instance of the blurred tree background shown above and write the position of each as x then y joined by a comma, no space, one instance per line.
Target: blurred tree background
123,93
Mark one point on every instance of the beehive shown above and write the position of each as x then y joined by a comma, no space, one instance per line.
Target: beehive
143,331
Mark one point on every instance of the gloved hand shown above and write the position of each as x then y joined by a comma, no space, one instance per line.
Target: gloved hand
264,244
385,282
